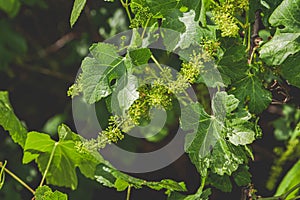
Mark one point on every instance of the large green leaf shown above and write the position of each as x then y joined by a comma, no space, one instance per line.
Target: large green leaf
288,15
110,177
251,90
286,40
210,146
99,70
66,157
76,10
10,122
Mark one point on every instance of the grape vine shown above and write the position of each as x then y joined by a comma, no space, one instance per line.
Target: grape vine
236,48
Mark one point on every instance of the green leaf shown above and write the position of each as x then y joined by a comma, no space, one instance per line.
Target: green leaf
66,157
140,56
226,158
223,104
108,176
192,30
11,7
242,177
76,10
221,182
100,70
286,40
186,30
125,94
290,70
242,136
280,48
199,195
45,193
250,90
10,122
287,14
207,145
121,185
51,125
290,180
232,63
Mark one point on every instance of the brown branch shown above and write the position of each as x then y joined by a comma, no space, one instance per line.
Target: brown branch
61,42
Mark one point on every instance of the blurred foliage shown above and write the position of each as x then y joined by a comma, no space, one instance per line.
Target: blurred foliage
39,58
287,128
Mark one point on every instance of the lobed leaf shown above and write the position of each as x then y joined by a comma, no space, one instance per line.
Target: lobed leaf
66,157
218,141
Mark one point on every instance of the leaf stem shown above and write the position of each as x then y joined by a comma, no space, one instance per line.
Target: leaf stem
145,27
128,192
203,180
126,6
48,164
156,62
16,178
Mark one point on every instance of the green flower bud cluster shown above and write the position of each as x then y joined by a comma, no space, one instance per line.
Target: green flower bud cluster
224,16
76,88
111,134
210,46
142,15
225,21
156,95
191,70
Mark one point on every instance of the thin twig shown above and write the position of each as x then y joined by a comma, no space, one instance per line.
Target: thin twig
17,178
